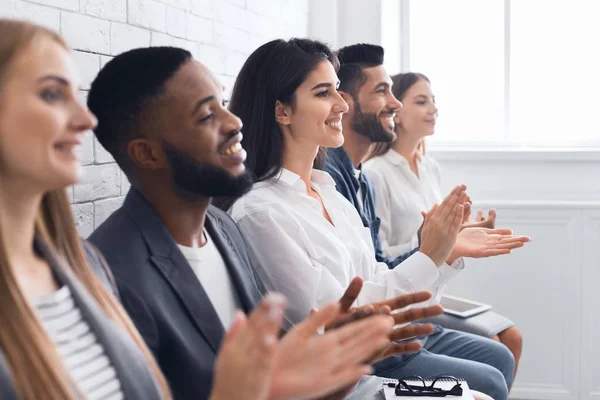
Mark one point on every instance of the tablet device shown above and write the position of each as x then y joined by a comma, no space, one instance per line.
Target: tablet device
462,308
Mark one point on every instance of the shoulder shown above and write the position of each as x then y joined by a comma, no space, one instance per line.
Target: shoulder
262,199
376,170
99,267
375,166
7,389
122,244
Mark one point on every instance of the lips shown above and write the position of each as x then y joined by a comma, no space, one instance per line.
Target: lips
68,146
232,146
334,124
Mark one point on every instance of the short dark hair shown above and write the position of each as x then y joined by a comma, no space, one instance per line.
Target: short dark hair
272,72
352,61
124,89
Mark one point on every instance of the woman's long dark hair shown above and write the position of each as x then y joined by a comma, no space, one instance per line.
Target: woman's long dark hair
272,73
401,84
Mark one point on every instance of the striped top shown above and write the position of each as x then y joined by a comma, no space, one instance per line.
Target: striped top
81,353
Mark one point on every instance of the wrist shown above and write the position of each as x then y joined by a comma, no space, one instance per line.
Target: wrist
453,257
437,260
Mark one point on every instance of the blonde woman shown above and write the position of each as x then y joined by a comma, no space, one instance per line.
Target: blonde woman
62,334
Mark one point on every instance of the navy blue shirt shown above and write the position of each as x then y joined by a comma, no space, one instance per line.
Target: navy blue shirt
340,167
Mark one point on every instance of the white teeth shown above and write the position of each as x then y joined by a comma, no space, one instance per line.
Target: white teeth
233,149
334,124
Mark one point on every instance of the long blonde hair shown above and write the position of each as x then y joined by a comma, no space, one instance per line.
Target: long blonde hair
36,367
401,83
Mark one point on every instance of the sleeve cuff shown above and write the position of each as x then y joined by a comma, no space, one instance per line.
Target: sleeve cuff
419,270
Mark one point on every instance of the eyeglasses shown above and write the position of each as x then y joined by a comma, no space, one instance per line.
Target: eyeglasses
422,389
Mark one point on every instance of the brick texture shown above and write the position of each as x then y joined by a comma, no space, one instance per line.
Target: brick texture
219,33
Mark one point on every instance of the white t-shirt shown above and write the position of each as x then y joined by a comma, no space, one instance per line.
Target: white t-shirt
209,267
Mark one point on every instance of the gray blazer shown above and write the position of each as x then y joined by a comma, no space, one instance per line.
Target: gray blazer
162,294
137,380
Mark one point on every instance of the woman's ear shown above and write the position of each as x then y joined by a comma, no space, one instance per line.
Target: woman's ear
283,113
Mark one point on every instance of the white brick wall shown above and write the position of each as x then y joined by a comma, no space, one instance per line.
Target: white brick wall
219,33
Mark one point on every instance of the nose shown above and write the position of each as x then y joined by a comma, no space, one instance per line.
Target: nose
232,123
83,119
340,105
394,103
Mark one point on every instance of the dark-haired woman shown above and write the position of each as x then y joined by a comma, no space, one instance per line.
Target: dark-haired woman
286,95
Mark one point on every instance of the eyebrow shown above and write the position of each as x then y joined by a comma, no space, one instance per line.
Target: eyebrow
382,85
323,85
56,78
201,102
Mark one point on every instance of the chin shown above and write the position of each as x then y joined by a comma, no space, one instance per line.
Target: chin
336,141
236,172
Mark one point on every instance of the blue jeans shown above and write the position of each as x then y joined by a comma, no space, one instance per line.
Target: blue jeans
485,364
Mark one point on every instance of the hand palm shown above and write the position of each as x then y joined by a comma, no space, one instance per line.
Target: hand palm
484,242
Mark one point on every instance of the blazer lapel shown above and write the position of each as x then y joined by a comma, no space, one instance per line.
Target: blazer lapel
245,288
136,379
177,271
171,263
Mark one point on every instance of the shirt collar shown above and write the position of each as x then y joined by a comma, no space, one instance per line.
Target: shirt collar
397,159
287,177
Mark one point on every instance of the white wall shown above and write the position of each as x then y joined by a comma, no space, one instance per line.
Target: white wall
550,287
219,33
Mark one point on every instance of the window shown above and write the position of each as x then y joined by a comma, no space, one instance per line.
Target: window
522,72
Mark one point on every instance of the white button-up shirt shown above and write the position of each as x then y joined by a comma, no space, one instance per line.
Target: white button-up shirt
400,198
298,253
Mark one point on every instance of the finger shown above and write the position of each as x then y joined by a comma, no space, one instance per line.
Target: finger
523,239
402,348
480,216
238,323
371,327
455,219
447,206
509,245
362,347
411,331
520,238
361,313
324,317
351,293
417,314
499,231
266,319
492,214
405,300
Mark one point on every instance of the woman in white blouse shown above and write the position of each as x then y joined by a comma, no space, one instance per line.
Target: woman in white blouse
306,240
63,335
407,181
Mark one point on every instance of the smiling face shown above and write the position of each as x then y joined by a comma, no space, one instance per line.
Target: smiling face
374,107
42,120
199,138
315,117
419,114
